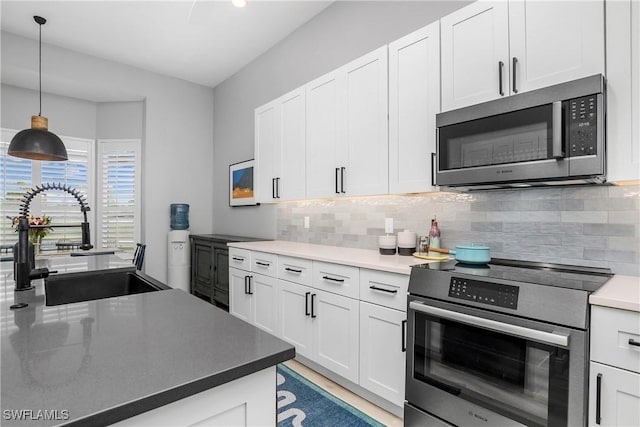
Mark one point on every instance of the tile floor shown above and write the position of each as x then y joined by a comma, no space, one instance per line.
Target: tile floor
356,401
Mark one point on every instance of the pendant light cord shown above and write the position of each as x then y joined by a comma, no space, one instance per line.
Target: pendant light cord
40,67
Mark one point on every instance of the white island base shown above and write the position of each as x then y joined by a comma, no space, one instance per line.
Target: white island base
247,401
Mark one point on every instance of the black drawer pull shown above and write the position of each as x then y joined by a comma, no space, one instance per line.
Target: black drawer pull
391,291
237,259
246,285
515,62
250,277
306,303
293,270
634,342
263,264
337,172
598,398
332,279
313,313
500,67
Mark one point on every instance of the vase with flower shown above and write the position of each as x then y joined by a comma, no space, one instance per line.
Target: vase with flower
38,229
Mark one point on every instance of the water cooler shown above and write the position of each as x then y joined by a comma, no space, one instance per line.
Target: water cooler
178,248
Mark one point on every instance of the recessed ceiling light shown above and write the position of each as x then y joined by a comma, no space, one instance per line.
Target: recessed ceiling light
239,3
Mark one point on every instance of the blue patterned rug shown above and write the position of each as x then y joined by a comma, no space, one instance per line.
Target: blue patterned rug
302,403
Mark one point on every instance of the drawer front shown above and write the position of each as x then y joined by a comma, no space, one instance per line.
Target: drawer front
384,288
613,335
296,270
264,263
240,258
336,278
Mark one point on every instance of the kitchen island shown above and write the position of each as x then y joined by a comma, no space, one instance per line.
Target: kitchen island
106,361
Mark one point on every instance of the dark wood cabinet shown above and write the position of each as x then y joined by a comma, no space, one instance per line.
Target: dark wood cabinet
210,267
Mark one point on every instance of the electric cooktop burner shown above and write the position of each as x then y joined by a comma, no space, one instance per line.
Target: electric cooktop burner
580,278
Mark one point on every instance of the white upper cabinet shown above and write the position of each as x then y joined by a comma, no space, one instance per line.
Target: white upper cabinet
623,90
324,116
475,54
414,100
495,49
280,148
347,141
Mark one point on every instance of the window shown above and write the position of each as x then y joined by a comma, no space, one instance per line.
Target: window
113,177
119,194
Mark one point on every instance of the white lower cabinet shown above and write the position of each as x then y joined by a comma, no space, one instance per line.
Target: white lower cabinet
382,351
336,330
614,396
247,401
253,298
239,297
294,316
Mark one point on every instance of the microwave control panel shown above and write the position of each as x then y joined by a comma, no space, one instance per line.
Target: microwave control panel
583,132
484,292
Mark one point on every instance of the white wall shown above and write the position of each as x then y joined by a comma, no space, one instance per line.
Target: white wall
177,129
120,120
339,34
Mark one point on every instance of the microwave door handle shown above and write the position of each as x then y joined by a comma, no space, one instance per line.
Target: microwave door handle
557,151
550,338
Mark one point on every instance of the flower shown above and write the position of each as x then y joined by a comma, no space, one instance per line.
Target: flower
35,234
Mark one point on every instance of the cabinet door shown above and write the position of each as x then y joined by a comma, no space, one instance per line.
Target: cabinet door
474,42
382,355
335,328
240,298
202,268
554,41
619,396
265,302
366,138
221,275
290,183
414,100
267,156
294,322
324,116
623,90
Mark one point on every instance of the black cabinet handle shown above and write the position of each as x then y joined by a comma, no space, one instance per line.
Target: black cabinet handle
293,270
342,179
433,165
273,188
313,313
263,264
391,291
246,284
404,340
500,68
237,259
634,342
332,279
515,61
598,398
277,188
337,172
306,303
250,278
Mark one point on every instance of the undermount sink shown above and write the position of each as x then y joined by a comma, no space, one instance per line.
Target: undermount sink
93,285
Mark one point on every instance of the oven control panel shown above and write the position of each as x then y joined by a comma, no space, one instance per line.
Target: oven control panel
484,292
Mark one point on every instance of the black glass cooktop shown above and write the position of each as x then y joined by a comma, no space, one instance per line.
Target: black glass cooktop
587,279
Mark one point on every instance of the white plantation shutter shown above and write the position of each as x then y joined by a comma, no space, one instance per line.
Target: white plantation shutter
119,193
15,179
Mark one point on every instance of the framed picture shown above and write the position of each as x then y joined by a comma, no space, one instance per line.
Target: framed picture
241,188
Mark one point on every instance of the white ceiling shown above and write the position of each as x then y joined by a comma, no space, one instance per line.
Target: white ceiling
202,41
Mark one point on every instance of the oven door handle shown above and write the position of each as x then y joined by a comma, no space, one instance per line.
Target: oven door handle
557,150
519,331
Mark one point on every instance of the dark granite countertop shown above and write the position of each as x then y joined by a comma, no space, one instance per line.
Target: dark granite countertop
97,362
226,238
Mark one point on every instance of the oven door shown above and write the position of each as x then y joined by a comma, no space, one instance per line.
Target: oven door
474,367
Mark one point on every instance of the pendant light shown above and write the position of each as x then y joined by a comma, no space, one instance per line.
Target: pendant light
38,143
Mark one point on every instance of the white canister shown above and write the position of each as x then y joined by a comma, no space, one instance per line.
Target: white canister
407,242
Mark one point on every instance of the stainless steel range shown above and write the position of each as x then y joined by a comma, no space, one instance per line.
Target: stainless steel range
502,344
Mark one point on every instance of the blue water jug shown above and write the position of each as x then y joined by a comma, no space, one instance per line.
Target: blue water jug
179,216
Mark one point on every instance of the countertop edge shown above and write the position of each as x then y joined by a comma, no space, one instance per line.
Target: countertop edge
621,292
147,403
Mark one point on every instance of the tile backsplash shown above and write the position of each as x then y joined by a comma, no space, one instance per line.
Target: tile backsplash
584,225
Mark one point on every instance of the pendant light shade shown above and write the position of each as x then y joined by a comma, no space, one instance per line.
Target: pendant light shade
38,143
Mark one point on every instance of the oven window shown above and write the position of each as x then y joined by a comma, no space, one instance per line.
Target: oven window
519,136
518,378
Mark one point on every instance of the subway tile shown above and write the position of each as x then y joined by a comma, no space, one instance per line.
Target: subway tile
627,217
610,229
521,227
613,204
585,241
555,251
585,217
486,226
624,243
613,255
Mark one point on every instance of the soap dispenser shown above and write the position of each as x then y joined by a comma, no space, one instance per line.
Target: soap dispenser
434,237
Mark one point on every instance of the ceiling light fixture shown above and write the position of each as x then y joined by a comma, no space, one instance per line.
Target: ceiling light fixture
38,143
239,3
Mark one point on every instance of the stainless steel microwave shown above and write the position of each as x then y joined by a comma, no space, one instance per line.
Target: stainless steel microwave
549,136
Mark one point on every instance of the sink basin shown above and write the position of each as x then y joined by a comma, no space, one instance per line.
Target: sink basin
77,287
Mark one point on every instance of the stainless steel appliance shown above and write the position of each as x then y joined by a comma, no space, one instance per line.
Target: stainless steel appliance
504,344
549,136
